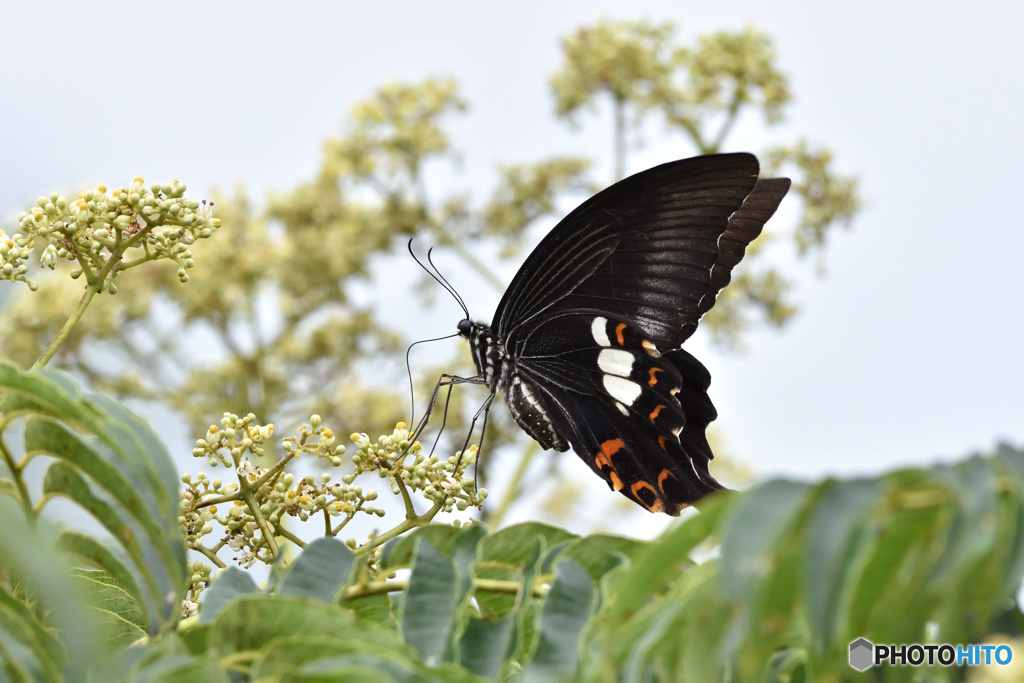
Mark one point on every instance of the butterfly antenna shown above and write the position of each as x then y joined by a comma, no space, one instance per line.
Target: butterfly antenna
447,284
438,278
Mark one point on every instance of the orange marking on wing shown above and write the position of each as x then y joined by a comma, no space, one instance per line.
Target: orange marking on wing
650,348
657,505
654,413
603,458
661,442
654,380
616,482
618,333
665,474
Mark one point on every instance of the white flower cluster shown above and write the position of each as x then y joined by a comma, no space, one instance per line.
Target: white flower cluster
99,228
441,480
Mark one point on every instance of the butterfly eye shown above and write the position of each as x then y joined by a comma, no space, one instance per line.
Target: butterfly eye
465,326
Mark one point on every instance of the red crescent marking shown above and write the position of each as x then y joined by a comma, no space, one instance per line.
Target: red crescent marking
657,505
603,458
618,333
665,474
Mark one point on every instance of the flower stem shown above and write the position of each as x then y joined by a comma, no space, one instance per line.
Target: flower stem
65,331
19,481
254,508
280,530
407,523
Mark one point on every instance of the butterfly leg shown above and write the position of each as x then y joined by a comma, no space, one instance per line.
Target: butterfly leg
485,411
444,380
448,381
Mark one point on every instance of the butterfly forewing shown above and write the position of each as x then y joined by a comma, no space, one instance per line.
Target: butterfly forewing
744,226
642,249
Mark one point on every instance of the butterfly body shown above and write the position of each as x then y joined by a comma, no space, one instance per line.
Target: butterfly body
584,346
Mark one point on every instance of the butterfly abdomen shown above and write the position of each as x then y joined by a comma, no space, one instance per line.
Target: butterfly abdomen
532,413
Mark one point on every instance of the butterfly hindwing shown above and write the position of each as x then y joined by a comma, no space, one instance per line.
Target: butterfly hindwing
609,392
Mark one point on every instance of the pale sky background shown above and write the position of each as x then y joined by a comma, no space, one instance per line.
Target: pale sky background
906,352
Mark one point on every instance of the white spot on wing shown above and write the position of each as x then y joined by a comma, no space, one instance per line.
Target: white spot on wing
621,389
599,328
616,362
624,411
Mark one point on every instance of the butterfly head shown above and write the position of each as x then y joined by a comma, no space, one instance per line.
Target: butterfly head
465,327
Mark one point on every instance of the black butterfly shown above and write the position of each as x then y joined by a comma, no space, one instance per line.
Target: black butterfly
585,343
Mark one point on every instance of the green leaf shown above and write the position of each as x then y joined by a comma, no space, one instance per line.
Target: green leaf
19,662
118,617
373,608
123,458
321,571
644,644
53,394
428,612
229,584
891,566
30,647
196,638
248,623
565,613
693,641
750,533
89,550
485,644
399,552
972,533
43,435
464,554
515,544
64,480
315,657
9,488
157,468
526,604
599,553
44,574
835,527
658,563
182,669
1013,476
514,554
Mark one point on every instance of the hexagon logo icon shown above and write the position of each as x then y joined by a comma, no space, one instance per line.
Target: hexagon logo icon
862,654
